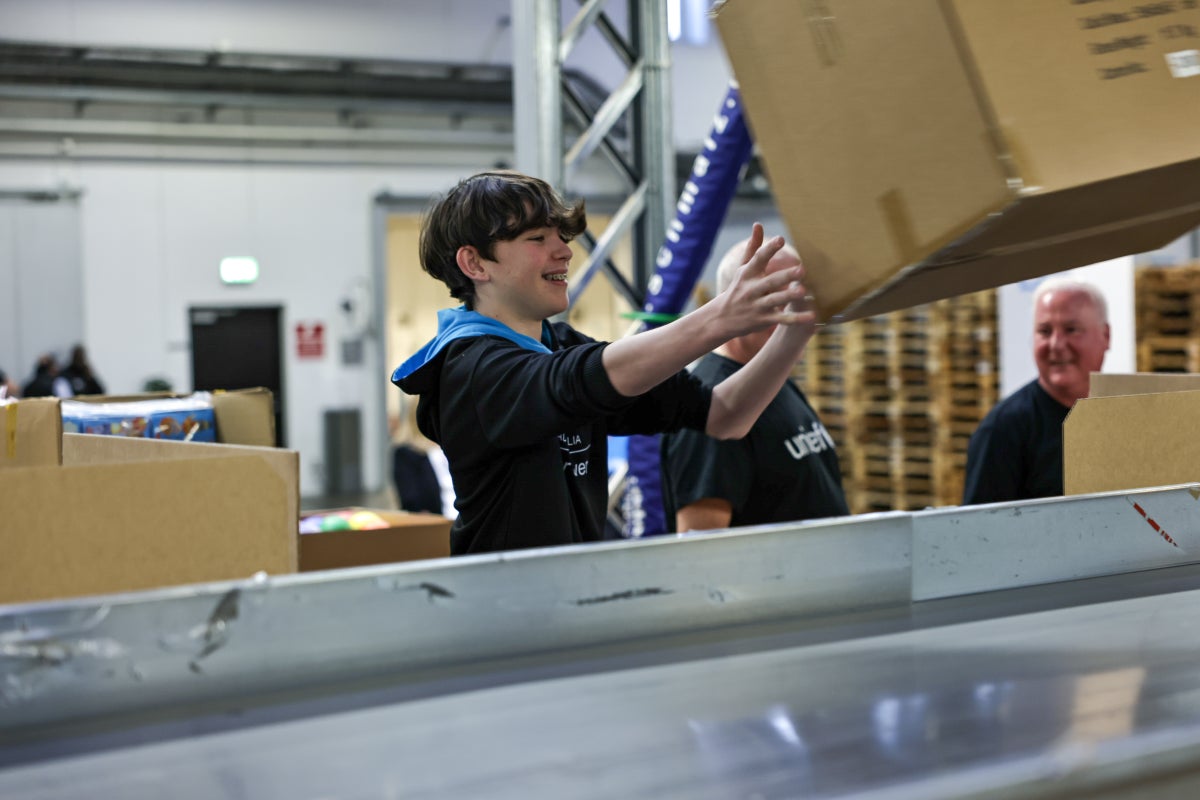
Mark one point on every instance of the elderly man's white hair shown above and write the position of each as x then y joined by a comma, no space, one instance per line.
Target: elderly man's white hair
1073,285
733,259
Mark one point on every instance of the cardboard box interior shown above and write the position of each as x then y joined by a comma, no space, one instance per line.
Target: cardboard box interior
921,149
409,537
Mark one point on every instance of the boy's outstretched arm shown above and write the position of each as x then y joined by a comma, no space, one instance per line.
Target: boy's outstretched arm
738,400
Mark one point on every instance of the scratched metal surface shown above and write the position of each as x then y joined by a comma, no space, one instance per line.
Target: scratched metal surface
92,657
1005,545
1071,700
221,647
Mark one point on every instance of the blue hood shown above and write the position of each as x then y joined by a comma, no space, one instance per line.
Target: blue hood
459,323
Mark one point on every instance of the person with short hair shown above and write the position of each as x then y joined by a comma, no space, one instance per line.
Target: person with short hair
1016,453
785,469
47,380
522,407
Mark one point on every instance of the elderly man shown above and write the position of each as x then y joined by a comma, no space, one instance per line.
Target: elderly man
1016,453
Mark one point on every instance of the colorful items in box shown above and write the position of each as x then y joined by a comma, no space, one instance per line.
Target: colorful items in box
346,519
188,419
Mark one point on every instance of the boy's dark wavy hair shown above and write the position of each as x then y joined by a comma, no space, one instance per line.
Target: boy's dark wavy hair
490,207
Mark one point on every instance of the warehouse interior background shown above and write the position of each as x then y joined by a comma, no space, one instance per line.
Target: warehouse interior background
137,151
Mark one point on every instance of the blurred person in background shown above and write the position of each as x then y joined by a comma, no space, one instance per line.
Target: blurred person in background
8,387
1016,453
79,373
47,380
419,472
785,469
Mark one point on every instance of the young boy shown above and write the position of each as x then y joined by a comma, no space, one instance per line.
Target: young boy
522,407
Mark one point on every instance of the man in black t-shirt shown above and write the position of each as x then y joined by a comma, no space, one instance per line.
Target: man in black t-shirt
1016,452
785,469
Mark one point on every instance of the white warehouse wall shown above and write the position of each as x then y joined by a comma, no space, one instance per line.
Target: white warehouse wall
153,235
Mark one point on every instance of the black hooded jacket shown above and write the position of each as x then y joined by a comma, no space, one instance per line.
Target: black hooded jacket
525,434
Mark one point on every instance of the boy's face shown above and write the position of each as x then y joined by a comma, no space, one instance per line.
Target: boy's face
528,278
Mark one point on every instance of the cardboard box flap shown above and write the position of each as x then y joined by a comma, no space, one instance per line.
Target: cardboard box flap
1131,442
246,416
930,281
97,529
920,149
1091,208
30,433
831,101
1078,64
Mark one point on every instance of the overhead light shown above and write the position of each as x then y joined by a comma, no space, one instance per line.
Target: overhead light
239,269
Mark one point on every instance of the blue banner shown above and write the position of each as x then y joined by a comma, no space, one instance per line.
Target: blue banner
699,213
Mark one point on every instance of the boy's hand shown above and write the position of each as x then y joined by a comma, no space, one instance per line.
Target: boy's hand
757,299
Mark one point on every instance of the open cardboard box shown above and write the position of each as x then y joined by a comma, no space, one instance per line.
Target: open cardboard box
408,537
104,514
243,416
922,149
1133,431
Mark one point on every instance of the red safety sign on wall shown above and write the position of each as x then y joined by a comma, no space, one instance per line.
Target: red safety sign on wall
310,340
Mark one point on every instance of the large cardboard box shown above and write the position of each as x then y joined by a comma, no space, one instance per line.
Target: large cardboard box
408,537
1132,432
123,514
920,149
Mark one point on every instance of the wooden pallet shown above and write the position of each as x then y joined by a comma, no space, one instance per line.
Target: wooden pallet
1167,301
1168,354
901,394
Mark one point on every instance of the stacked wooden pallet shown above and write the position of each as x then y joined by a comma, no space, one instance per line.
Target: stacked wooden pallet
901,394
1167,308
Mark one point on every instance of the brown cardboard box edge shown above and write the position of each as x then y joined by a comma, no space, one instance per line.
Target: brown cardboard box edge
109,528
410,537
244,416
971,265
31,433
1131,441
1111,384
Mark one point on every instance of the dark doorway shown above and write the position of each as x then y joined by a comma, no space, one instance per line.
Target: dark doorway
239,348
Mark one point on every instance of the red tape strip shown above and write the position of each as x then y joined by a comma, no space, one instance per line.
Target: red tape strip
1153,524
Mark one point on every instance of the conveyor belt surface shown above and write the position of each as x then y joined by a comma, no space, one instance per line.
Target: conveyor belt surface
873,654
1064,699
